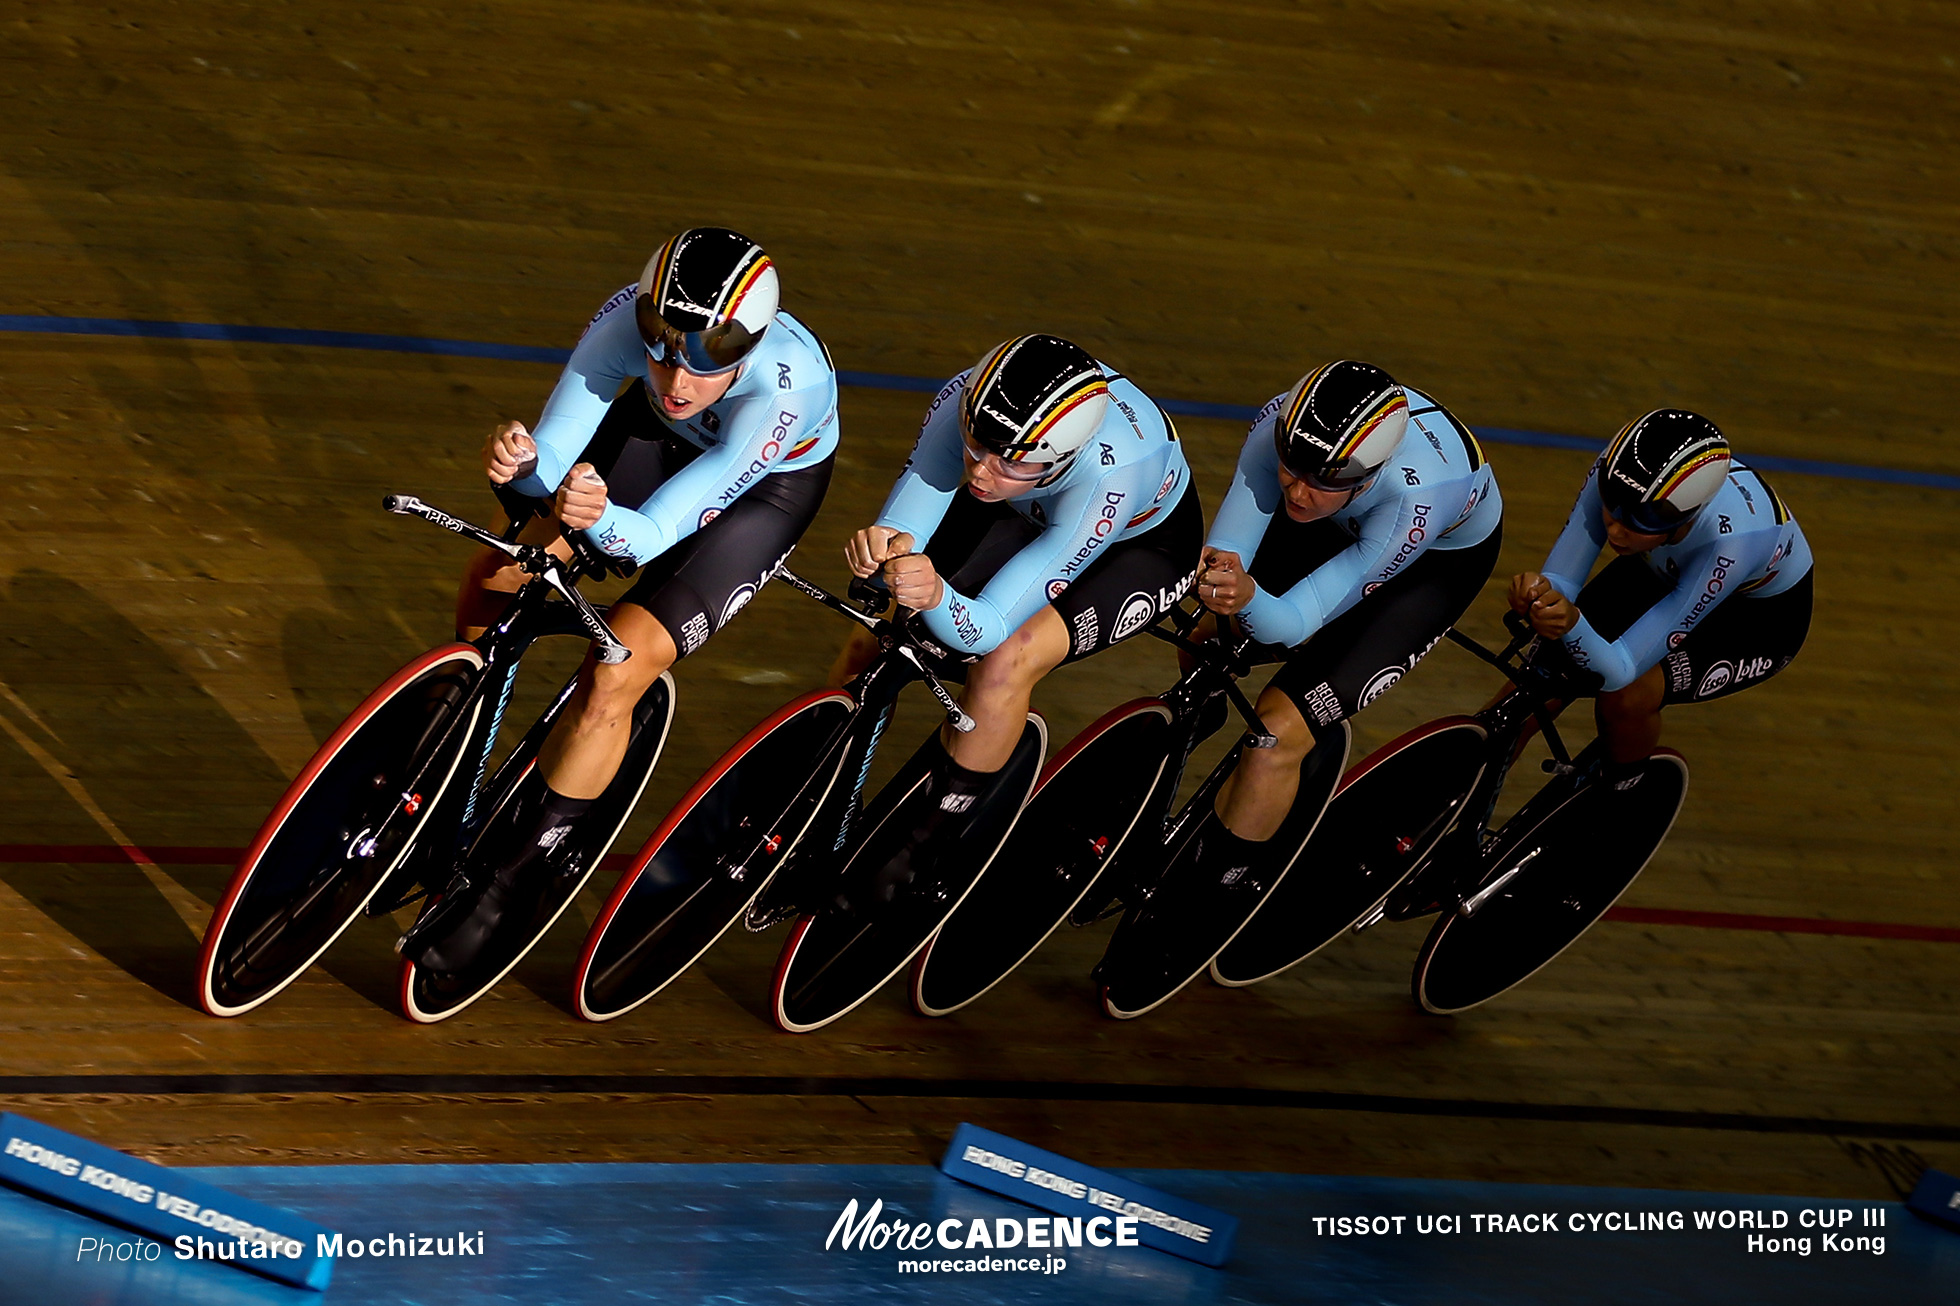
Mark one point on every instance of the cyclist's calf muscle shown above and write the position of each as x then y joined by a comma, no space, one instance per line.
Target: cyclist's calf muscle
1260,791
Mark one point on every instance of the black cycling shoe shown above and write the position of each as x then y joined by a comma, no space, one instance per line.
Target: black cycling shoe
453,933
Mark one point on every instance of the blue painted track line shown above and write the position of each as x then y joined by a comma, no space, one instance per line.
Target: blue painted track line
36,324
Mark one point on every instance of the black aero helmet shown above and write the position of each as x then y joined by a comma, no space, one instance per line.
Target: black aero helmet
1661,469
704,300
1340,424
1034,398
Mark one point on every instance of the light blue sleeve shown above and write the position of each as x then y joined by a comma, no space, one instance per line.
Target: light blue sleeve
1577,547
1253,496
1393,535
925,488
761,428
978,624
606,357
1707,577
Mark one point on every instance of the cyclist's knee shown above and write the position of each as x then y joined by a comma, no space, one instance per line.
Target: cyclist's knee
1023,657
1284,722
1637,702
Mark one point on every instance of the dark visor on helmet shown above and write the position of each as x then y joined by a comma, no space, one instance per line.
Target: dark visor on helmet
1345,475
705,353
1655,518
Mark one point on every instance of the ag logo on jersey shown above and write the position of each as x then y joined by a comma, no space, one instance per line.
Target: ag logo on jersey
1378,684
1137,612
1108,454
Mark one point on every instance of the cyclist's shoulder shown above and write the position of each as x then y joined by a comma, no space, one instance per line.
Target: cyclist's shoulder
790,356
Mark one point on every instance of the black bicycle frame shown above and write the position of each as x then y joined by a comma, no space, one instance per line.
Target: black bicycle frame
875,690
529,617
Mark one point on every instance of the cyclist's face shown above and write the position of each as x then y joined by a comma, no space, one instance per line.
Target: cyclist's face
990,478
1306,501
1624,542
681,394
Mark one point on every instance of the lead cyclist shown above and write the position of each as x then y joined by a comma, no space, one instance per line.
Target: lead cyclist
691,434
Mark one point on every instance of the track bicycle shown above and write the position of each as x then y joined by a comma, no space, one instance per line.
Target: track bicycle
402,792
777,829
1106,795
1408,834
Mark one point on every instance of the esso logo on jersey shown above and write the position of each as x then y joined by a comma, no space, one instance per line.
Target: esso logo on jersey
1378,684
1138,610
1055,588
707,517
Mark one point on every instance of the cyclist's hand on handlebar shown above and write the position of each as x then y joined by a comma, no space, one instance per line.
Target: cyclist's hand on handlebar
1223,585
1551,614
508,453
582,498
1527,587
914,581
874,546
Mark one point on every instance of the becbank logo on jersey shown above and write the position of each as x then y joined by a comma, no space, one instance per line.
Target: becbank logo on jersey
1711,594
1104,527
1418,532
1137,612
785,419
963,623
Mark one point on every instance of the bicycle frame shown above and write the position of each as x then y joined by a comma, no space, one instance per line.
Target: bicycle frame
902,660
530,616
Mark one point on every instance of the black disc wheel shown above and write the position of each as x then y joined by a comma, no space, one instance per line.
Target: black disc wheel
838,957
1388,814
1545,884
341,827
1190,914
706,862
1084,807
428,996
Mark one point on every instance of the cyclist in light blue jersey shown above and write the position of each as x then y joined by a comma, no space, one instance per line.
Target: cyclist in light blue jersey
1361,522
692,434
1710,591
1046,513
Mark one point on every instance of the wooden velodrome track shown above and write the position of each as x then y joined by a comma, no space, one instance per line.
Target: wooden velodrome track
1553,217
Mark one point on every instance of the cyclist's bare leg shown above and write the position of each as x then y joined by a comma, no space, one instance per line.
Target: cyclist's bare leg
1630,719
589,739
490,577
1257,795
998,688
